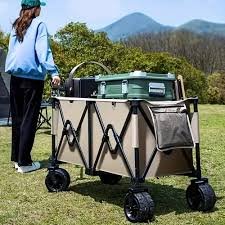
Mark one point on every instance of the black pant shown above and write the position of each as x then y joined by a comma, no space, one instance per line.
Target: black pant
25,100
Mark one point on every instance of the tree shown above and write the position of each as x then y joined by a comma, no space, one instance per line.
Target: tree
4,40
205,52
75,43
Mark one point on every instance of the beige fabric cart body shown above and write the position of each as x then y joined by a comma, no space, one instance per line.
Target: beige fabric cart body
137,135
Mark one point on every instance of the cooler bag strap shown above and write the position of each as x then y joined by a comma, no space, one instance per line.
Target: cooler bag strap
69,85
88,62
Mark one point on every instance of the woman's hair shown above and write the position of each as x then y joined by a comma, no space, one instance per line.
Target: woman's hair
22,23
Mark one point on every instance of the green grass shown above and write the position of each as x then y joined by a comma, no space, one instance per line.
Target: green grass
25,200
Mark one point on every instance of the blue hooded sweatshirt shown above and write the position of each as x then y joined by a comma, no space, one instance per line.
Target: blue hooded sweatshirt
31,58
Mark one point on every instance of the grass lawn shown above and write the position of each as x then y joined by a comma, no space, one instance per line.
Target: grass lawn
24,199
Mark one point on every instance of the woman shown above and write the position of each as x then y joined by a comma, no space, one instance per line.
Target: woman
29,59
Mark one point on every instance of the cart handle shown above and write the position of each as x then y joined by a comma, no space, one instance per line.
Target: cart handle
88,62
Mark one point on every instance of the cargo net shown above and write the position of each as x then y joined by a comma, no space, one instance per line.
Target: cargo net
172,127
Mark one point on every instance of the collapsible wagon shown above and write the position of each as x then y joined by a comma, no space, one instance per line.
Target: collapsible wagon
139,126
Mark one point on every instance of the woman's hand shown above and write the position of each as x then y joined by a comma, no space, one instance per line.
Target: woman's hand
56,81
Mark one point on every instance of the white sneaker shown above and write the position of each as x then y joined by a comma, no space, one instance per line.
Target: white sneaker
16,166
26,169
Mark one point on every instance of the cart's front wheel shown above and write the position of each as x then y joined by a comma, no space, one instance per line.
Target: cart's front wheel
139,207
109,178
57,180
200,197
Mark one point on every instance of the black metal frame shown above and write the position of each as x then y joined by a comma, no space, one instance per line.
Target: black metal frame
42,119
91,165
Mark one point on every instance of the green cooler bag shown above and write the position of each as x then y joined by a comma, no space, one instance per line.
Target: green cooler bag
137,85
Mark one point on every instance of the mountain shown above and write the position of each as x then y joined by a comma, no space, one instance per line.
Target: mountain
137,23
133,24
204,27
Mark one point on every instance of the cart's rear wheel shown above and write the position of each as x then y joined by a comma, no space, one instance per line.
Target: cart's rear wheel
139,207
57,180
200,197
151,205
109,178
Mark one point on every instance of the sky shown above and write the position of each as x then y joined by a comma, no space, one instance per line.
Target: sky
100,13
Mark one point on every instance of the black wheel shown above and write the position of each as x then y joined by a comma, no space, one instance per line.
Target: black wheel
57,180
109,178
139,207
151,205
200,197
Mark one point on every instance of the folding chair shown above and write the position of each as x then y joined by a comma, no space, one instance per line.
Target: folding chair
43,117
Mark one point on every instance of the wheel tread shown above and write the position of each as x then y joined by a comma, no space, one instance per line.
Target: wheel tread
145,207
62,176
205,199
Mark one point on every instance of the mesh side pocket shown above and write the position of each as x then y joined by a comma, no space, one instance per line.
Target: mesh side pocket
172,130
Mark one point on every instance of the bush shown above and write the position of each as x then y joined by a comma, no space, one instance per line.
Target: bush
216,90
214,96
